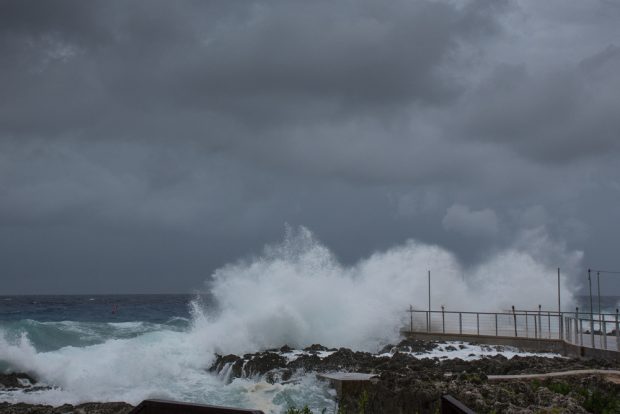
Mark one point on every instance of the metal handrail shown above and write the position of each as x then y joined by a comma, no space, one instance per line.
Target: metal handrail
529,324
517,312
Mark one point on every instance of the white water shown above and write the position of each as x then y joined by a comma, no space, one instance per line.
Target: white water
295,293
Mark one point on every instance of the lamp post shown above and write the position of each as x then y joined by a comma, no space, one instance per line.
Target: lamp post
598,285
429,299
429,291
559,303
591,309
560,320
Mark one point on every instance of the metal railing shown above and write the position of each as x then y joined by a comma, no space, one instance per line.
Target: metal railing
599,331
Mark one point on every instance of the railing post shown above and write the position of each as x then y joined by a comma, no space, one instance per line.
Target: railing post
527,333
460,323
478,323
496,332
428,321
617,333
536,327
514,317
443,319
411,318
604,332
539,321
577,325
549,325
592,329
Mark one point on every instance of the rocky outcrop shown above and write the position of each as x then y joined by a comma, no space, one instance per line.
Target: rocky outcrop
27,383
410,384
16,380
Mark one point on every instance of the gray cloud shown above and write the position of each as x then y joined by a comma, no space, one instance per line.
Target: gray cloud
558,116
192,131
462,219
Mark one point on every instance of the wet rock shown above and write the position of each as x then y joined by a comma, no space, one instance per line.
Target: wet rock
316,348
16,380
233,364
408,384
262,363
278,376
103,408
410,345
88,408
306,363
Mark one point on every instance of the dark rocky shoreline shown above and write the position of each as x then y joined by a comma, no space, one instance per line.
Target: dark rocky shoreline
406,383
27,383
87,408
409,384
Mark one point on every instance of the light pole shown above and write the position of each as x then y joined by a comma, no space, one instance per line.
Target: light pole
560,320
591,309
559,303
429,292
429,299
598,285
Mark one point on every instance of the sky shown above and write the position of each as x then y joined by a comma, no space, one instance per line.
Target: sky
145,144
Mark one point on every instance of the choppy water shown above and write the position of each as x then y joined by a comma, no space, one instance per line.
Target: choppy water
54,322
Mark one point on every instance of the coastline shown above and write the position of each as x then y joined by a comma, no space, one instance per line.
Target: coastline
411,375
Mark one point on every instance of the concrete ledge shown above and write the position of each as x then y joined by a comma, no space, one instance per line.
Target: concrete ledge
349,383
577,351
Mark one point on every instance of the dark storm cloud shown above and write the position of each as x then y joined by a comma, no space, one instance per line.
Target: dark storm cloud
281,62
189,129
558,116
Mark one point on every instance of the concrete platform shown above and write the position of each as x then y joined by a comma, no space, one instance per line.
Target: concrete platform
349,383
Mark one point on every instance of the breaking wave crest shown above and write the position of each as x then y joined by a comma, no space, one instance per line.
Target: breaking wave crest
297,292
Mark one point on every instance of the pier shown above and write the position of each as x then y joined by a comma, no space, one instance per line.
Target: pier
574,334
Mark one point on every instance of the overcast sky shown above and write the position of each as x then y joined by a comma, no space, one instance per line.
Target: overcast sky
143,144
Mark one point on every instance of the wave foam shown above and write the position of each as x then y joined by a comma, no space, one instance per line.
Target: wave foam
297,293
